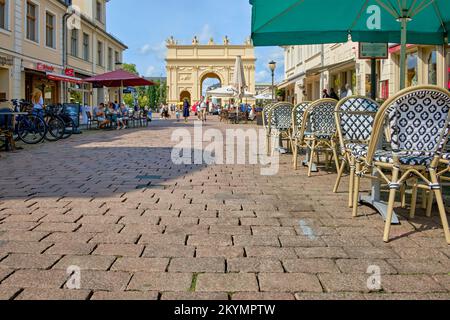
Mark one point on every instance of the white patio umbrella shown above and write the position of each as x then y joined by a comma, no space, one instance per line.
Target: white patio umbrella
227,92
238,82
263,96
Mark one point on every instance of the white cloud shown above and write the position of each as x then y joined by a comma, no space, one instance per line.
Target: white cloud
150,71
262,76
205,34
158,50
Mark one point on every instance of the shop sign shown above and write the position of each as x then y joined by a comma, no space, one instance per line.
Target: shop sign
69,72
44,67
373,50
6,61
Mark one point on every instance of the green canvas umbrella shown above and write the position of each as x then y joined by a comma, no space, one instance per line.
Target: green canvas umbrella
296,22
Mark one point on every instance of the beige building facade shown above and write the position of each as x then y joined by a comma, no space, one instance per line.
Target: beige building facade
32,49
309,69
188,66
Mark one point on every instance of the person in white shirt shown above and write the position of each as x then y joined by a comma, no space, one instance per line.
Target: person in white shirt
349,90
204,109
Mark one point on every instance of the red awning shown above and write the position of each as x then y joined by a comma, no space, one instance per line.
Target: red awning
64,78
119,78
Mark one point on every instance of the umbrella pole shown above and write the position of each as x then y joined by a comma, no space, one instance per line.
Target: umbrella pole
404,22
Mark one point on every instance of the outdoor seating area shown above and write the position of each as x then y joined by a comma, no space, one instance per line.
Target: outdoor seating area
402,144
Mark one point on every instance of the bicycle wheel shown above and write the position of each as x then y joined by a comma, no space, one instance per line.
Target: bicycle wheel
69,127
31,129
55,129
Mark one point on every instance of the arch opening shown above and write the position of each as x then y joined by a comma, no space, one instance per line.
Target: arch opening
185,95
209,81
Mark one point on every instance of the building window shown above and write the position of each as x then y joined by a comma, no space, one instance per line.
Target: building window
32,22
99,11
110,59
85,46
413,68
116,57
3,14
100,53
432,68
50,30
74,43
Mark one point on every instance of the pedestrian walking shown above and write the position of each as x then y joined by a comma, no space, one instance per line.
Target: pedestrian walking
186,109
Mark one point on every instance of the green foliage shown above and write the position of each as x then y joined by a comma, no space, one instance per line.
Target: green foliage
151,96
130,67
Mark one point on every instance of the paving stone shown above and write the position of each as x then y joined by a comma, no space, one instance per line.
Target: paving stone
62,237
168,251
104,280
174,282
125,295
321,253
310,266
343,296
262,296
5,272
71,248
411,284
57,227
404,266
194,296
141,264
115,238
233,282
270,252
254,265
176,239
213,240
119,250
334,283
41,279
255,241
53,294
356,266
23,235
23,247
197,265
213,252
292,282
100,263
29,261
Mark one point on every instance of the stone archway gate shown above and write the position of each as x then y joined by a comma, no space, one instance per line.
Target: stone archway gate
188,65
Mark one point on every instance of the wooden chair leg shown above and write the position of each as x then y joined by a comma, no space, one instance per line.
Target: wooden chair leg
390,212
356,189
352,180
336,156
441,206
268,143
311,158
403,195
296,155
430,203
412,212
339,178
424,199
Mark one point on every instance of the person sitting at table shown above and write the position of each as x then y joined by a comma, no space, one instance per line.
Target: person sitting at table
100,114
124,115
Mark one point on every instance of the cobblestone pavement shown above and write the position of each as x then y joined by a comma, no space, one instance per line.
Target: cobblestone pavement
139,227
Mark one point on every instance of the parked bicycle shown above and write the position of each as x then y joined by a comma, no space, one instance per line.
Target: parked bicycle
31,129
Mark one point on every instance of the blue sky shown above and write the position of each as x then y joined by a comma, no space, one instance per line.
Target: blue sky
145,25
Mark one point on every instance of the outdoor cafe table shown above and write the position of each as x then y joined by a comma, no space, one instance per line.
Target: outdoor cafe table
7,115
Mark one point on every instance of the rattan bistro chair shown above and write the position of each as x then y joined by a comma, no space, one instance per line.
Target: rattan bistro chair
297,133
280,124
266,123
354,119
418,120
319,130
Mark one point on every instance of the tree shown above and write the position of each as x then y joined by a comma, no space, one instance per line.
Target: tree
130,67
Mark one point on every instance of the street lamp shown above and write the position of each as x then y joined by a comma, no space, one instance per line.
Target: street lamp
272,67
